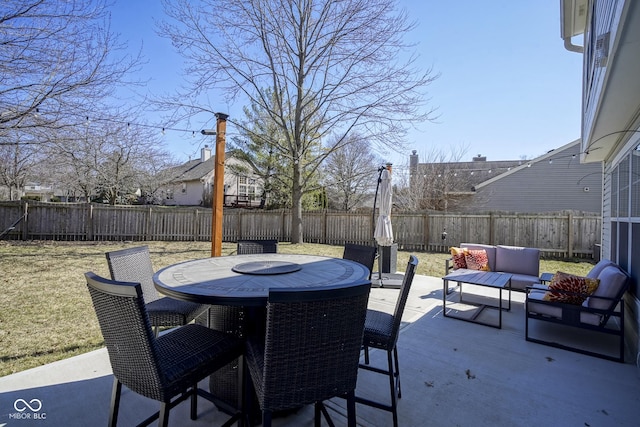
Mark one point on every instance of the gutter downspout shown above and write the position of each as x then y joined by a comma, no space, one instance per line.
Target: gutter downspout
572,47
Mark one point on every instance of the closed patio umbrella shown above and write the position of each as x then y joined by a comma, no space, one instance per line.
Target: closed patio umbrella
384,232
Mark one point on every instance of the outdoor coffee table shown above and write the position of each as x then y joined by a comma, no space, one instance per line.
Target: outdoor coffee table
488,279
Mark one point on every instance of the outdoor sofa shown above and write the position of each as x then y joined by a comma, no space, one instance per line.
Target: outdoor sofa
593,303
523,263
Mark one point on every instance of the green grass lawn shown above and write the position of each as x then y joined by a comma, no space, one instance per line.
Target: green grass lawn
47,313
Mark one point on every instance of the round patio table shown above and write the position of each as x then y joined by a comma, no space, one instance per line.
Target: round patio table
245,280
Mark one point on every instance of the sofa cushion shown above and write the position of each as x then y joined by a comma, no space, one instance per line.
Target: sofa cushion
457,256
612,282
489,249
595,271
477,259
519,260
521,281
579,287
541,308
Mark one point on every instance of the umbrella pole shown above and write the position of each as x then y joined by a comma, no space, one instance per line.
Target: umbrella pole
373,222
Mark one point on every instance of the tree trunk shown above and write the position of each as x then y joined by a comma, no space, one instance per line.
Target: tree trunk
296,206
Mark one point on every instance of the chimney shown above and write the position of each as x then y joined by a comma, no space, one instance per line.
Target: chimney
205,153
480,158
413,160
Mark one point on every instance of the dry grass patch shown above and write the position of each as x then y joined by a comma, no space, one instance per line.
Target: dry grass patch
46,310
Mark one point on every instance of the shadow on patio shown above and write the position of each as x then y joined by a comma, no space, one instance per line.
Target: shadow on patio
453,373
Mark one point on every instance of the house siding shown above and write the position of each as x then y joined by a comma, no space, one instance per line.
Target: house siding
552,183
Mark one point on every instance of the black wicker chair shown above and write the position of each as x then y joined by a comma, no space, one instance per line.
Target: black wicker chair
134,265
310,351
381,331
166,368
266,246
365,255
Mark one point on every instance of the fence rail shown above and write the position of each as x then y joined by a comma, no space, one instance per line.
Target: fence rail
568,234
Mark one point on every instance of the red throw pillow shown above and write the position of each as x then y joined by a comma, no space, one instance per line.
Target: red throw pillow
457,255
477,259
579,287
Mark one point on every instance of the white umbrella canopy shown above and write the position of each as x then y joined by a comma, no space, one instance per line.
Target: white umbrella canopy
384,232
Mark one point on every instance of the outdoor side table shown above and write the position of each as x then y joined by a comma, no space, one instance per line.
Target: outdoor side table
486,279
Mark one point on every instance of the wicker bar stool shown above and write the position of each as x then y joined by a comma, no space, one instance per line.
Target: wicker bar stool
264,246
381,331
166,368
134,265
365,255
310,351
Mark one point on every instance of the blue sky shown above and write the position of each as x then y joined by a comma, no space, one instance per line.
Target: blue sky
507,88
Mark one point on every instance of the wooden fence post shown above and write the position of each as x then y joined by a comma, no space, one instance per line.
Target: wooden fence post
25,221
570,237
426,236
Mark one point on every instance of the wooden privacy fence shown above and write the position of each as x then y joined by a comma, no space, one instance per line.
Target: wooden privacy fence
563,234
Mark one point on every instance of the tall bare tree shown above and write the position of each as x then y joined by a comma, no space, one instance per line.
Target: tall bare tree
320,69
350,174
58,58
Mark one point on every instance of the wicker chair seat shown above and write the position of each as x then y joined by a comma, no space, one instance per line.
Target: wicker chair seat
171,312
183,352
378,332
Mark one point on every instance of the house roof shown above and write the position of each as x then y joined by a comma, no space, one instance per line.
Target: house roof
194,170
525,164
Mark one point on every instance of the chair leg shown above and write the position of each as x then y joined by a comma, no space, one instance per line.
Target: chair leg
317,414
194,402
397,372
366,355
351,408
392,387
163,420
266,418
115,402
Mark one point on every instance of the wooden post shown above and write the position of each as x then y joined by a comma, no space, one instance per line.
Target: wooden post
570,236
25,221
218,185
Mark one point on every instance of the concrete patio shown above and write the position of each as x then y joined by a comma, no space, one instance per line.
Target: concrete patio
453,373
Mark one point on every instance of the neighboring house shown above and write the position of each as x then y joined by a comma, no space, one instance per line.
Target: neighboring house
556,181
191,183
553,182
449,185
39,192
611,125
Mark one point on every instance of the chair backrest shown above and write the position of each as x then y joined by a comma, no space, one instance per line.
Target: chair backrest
266,246
133,265
127,333
403,295
365,255
312,345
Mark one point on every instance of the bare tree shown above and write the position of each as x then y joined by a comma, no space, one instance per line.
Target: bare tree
436,183
320,69
114,160
16,164
350,174
58,59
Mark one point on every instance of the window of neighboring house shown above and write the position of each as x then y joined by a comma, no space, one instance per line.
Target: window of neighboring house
247,187
184,187
170,193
